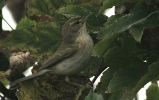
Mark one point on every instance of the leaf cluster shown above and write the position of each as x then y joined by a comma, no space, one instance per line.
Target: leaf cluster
121,43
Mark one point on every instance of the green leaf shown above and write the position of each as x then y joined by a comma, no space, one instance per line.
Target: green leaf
96,21
5,82
124,80
94,96
120,24
77,10
103,45
127,76
58,3
124,94
1,3
152,92
104,81
26,23
137,33
94,24
123,50
127,21
37,7
127,68
94,66
152,73
43,37
137,30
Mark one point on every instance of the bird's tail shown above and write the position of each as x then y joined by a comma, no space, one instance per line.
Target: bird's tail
36,75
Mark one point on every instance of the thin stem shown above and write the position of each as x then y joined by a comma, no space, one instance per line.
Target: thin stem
8,24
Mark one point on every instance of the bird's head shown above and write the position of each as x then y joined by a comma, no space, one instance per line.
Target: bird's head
71,28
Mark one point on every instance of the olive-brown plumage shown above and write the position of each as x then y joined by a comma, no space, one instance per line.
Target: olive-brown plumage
74,51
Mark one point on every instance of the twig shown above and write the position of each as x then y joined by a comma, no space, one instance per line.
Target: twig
8,24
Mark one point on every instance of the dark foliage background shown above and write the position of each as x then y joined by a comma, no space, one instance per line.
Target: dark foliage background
127,43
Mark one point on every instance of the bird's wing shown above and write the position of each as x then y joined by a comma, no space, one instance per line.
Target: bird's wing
59,56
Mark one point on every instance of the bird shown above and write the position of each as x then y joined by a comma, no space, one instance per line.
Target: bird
69,59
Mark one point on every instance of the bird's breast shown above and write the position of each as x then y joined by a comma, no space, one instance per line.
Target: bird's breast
74,63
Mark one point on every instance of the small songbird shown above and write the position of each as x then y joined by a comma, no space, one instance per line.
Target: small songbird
75,49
